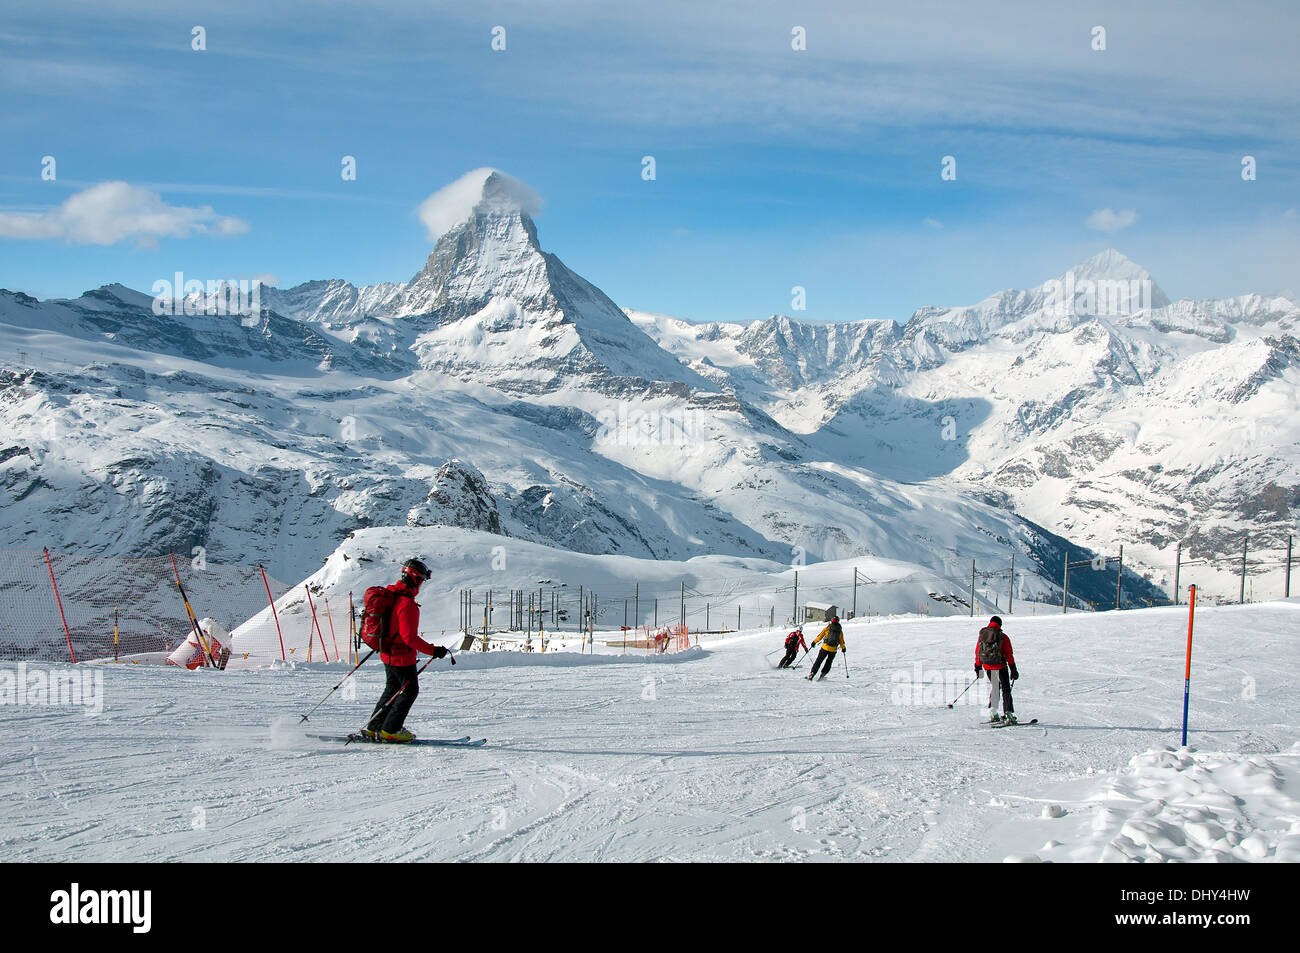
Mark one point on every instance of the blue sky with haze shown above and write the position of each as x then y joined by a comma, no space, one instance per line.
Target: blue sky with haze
775,168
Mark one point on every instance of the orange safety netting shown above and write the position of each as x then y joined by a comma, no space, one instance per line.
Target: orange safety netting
116,606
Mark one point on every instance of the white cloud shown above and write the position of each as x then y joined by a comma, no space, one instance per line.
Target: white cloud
454,203
1108,220
111,212
931,222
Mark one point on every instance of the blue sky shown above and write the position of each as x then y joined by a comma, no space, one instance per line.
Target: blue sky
775,167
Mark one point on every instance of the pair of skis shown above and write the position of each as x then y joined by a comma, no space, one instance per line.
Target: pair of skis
1010,724
465,742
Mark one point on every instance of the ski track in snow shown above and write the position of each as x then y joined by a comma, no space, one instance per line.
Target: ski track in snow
721,757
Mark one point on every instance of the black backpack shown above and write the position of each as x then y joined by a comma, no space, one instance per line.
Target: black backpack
990,646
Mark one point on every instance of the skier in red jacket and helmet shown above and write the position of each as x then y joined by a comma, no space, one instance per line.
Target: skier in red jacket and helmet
402,686
793,642
993,655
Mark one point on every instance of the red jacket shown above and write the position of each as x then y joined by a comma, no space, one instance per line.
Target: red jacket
1006,654
404,630
790,640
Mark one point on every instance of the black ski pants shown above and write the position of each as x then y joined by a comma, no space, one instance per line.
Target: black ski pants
394,717
823,656
790,653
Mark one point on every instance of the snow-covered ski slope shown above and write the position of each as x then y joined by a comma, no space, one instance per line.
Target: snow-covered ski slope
706,755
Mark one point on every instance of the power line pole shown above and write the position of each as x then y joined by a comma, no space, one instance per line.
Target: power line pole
1011,584
1288,566
795,607
1244,541
1065,586
973,588
1119,578
1178,567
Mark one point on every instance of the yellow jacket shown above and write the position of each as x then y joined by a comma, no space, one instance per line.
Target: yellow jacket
829,648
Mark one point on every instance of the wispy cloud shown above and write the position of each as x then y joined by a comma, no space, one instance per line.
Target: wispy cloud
1110,221
112,212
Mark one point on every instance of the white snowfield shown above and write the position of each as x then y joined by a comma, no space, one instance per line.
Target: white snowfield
710,754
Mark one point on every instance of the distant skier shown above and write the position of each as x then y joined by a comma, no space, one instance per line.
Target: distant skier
993,654
832,641
399,654
793,643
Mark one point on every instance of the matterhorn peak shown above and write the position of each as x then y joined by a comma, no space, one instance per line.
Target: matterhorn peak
480,192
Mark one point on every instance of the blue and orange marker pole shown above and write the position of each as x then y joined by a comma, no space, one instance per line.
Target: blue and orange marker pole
1187,677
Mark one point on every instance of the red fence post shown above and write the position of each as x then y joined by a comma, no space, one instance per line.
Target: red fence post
1187,676
59,602
273,615
316,623
333,637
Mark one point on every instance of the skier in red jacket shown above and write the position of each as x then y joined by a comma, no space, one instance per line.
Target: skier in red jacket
399,654
993,654
793,642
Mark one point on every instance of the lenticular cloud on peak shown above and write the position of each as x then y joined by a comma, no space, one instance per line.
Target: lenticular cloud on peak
454,203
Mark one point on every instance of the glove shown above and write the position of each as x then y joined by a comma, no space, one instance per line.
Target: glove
1014,674
439,652
979,672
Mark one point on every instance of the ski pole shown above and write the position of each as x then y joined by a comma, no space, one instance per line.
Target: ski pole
336,687
846,662
964,690
383,708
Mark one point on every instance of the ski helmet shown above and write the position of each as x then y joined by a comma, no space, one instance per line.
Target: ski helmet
996,620
417,570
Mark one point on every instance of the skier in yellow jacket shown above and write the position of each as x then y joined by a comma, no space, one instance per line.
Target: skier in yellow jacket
832,640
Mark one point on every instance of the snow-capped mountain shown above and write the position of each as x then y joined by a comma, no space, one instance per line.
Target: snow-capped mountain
489,304
501,393
1090,403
